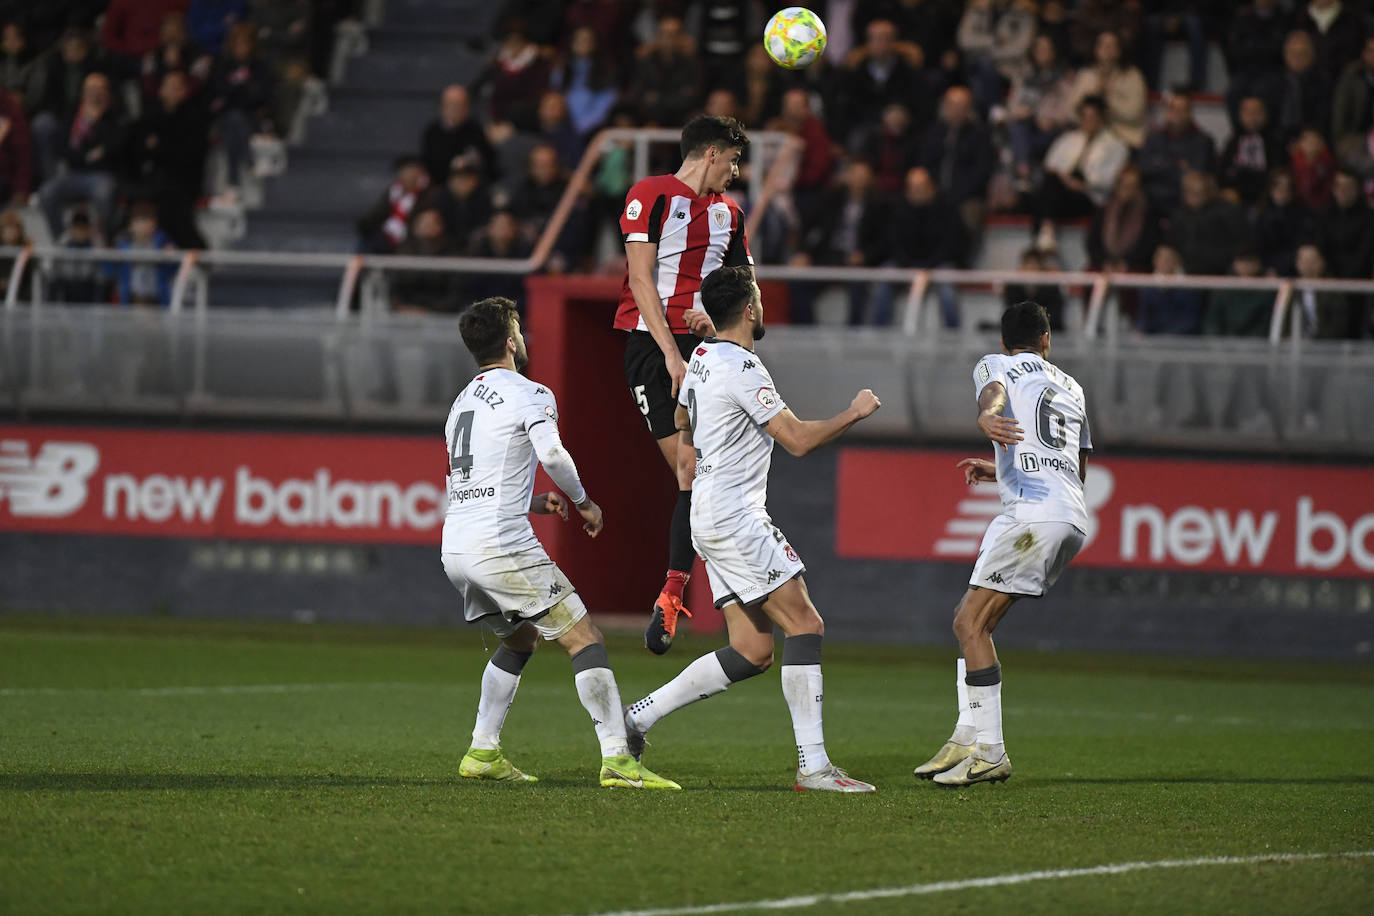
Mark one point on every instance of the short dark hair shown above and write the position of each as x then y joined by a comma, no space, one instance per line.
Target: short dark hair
725,292
707,131
1024,324
1096,102
486,326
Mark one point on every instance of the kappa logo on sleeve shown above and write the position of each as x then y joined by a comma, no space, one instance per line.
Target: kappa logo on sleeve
633,209
767,398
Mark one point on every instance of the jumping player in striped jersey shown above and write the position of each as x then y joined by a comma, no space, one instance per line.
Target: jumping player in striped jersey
678,228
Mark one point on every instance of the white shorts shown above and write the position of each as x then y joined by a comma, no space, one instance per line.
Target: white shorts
748,563
507,590
1024,558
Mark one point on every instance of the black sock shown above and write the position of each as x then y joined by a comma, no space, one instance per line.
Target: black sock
681,554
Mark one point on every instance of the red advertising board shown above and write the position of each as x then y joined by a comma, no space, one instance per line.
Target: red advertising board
261,486
1220,516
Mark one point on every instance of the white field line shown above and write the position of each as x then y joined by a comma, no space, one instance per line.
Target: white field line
941,887
212,690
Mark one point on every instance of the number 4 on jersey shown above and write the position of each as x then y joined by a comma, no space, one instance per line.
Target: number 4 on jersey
460,461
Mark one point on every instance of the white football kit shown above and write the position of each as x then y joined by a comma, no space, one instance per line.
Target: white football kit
1044,517
499,428
730,397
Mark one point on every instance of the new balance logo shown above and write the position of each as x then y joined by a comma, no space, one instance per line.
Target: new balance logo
997,578
679,215
49,485
774,575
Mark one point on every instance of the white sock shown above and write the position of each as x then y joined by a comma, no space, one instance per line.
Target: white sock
701,679
803,689
498,693
600,696
964,730
986,703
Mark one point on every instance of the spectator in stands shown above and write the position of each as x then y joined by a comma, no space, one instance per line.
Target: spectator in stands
1039,108
464,203
518,75
1207,229
130,30
21,67
1251,154
12,235
210,21
892,148
1240,312
762,89
1254,52
500,239
16,151
1301,95
1080,171
1125,230
537,197
383,227
1345,232
283,30
1056,22
66,72
1314,168
241,98
928,27
851,229
1356,154
1177,145
1172,20
78,282
95,141
587,80
1047,294
1352,106
1123,18
995,36
721,103
456,137
1280,223
667,82
817,156
925,231
876,74
957,151
175,52
606,18
1337,33
1169,309
1120,84
556,129
426,290
143,282
167,158
723,29
1324,316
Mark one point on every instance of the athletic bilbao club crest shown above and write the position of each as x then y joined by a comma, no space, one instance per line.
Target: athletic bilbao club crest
721,218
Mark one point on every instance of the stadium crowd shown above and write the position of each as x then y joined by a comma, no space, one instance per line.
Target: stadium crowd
929,114
109,109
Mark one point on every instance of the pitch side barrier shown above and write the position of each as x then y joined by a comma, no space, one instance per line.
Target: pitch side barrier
355,360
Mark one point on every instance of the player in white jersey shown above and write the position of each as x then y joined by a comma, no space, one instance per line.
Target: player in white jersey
729,414
1042,527
500,428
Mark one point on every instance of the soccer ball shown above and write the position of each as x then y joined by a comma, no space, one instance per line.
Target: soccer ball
794,38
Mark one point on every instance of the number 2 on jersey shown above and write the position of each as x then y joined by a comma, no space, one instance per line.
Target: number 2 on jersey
460,461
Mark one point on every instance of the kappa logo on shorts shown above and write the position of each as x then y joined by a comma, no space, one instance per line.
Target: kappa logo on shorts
997,579
555,589
774,575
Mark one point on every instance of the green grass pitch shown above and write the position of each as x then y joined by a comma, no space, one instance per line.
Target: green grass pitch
174,767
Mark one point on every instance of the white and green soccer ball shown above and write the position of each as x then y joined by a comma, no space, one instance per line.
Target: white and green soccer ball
794,38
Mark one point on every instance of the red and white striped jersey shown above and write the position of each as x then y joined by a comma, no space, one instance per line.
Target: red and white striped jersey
694,235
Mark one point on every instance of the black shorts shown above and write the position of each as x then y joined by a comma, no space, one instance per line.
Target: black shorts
648,379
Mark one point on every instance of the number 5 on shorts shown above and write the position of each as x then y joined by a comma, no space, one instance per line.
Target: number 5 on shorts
643,400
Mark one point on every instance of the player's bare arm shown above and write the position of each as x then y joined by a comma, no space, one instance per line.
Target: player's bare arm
686,448
1083,465
978,470
640,257
1003,431
801,437
549,504
592,520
